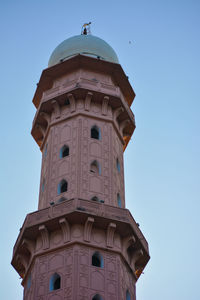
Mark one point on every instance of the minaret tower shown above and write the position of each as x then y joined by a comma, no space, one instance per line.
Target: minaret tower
81,243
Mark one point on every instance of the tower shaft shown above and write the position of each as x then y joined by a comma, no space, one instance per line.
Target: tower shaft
81,243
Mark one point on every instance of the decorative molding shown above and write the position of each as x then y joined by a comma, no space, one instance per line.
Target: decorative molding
110,234
72,102
56,108
131,241
65,230
45,236
88,229
105,105
88,99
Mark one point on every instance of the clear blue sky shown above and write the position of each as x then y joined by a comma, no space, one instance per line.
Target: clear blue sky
162,160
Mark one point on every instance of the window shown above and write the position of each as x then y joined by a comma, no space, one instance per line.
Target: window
95,198
95,167
97,260
62,186
118,165
64,151
119,202
128,296
67,102
97,297
95,133
55,282
29,282
45,150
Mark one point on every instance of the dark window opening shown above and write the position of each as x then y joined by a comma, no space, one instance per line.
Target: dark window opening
119,202
45,150
43,185
95,168
62,187
95,133
97,297
128,296
118,165
29,282
64,151
97,260
55,282
95,198
67,102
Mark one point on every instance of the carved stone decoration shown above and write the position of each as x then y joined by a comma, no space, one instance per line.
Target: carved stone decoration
45,236
110,234
29,244
23,260
123,125
105,105
56,108
128,242
136,255
88,229
88,99
117,112
65,230
72,102
46,117
41,129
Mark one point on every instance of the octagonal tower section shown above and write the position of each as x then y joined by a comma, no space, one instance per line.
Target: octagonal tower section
82,125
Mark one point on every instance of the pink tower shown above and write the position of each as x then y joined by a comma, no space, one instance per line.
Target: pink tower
81,243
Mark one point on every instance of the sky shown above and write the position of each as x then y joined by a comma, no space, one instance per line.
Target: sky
158,46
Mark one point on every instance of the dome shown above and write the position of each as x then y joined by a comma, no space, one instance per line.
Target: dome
83,44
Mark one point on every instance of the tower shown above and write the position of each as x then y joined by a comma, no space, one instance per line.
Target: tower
81,243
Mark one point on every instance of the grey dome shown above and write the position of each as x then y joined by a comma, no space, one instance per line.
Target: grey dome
83,44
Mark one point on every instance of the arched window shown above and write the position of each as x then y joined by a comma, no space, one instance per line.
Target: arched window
97,297
62,186
29,282
95,167
61,199
55,282
95,133
64,151
118,165
95,198
119,202
128,296
97,260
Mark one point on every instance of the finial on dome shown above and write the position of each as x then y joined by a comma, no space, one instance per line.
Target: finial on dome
85,30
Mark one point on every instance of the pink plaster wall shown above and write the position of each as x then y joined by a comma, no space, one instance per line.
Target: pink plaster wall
79,279
72,128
